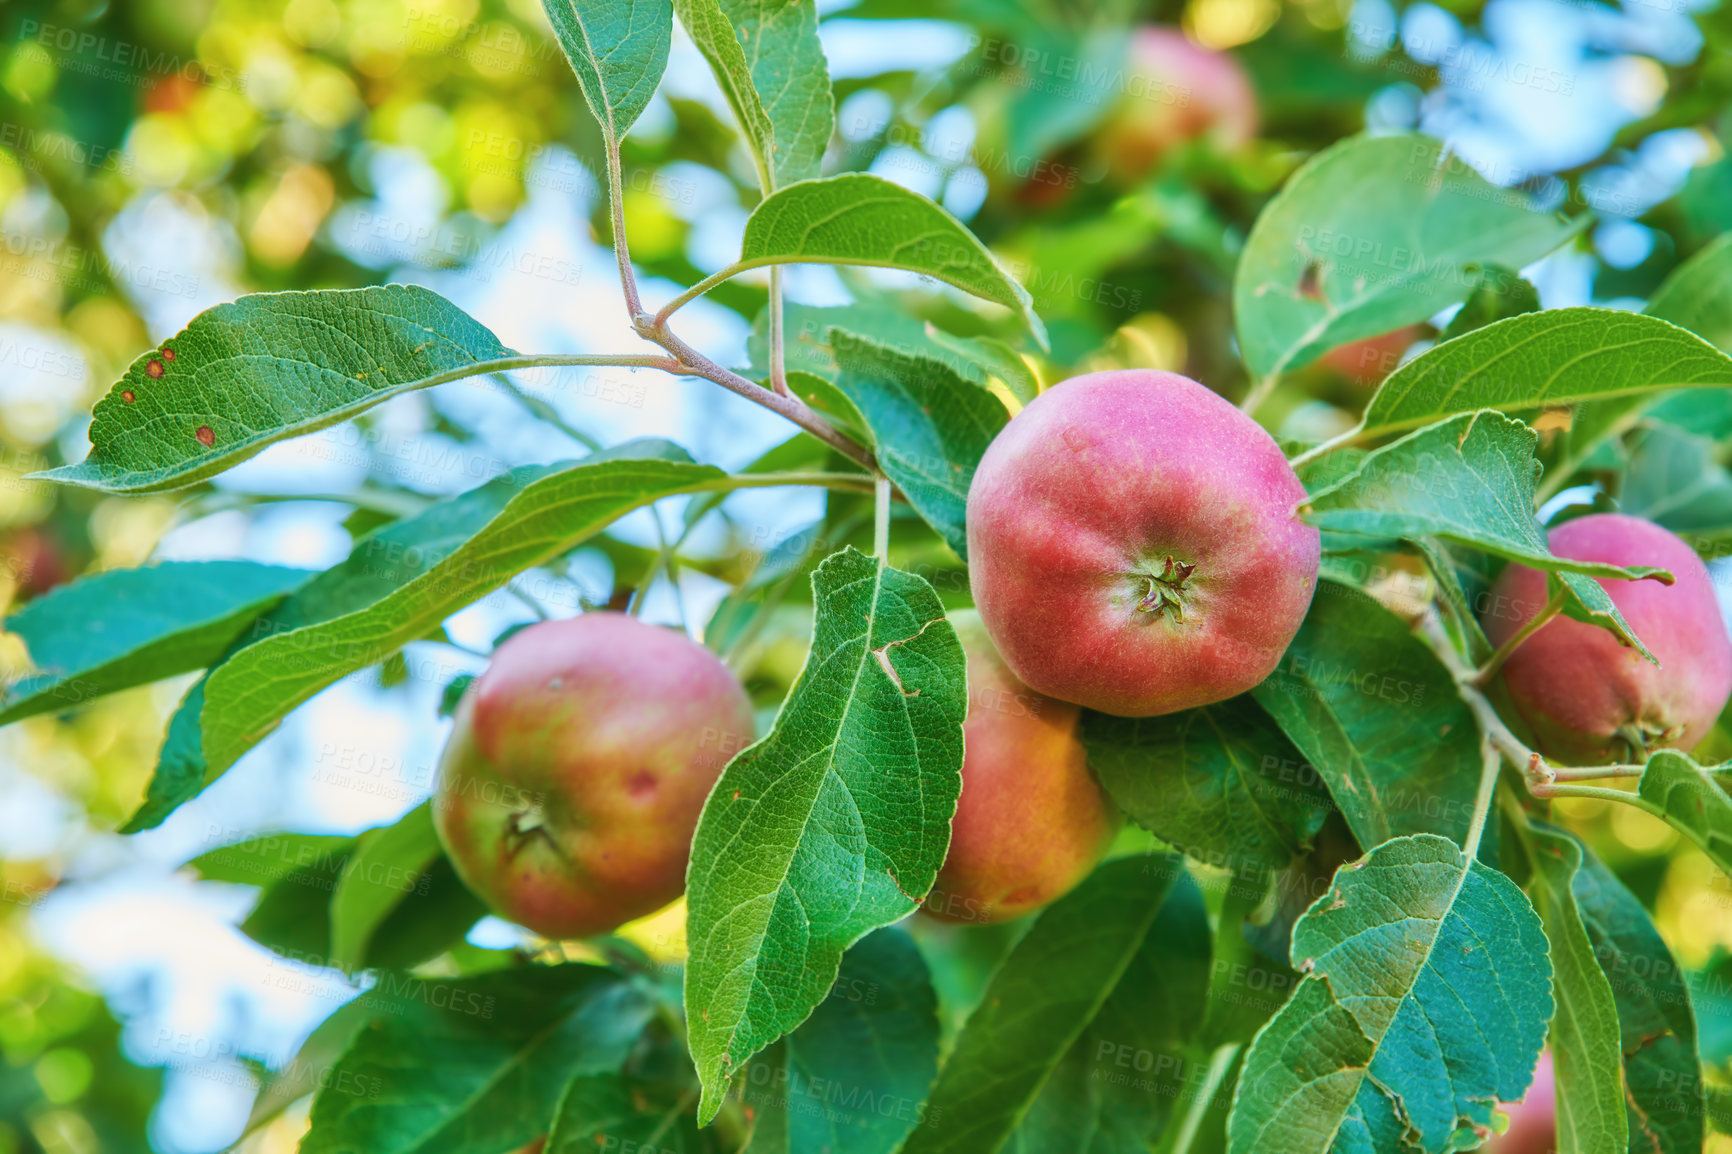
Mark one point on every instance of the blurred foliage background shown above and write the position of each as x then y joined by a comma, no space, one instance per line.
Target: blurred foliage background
159,156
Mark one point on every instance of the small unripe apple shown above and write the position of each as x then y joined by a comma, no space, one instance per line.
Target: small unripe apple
1175,91
1031,821
1135,545
570,788
33,560
1590,699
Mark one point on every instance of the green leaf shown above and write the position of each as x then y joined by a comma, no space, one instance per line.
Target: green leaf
1372,234
1468,480
267,367
1657,1025
293,916
994,356
868,1053
1249,978
929,425
1041,1000
1675,478
619,50
823,395
648,1107
771,67
180,768
279,1089
1544,359
264,860
1500,294
714,34
1221,783
1426,999
453,693
1706,412
432,917
1586,1044
604,1112
402,581
809,331
1131,1067
1454,571
1377,714
388,863
475,1066
1696,296
832,825
860,219
1080,79
1693,803
128,627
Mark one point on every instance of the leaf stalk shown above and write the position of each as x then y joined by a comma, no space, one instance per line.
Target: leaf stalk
1534,624
1542,779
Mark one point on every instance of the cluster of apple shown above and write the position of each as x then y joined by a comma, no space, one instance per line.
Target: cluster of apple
1136,547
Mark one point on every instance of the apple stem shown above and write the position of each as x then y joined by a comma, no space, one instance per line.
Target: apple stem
1491,765
690,362
697,290
1569,773
1501,654
1600,793
1542,779
1259,393
881,519
1329,446
778,368
616,197
687,361
664,558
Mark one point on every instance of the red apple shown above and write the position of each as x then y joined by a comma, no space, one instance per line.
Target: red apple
1590,699
570,788
1135,546
1032,821
1175,91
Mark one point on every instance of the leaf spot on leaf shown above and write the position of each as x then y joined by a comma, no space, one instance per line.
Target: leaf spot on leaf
206,436
883,656
154,370
882,653
126,395
897,882
1311,281
167,353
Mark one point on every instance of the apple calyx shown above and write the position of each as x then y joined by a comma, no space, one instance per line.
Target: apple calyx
1166,589
1643,737
525,824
